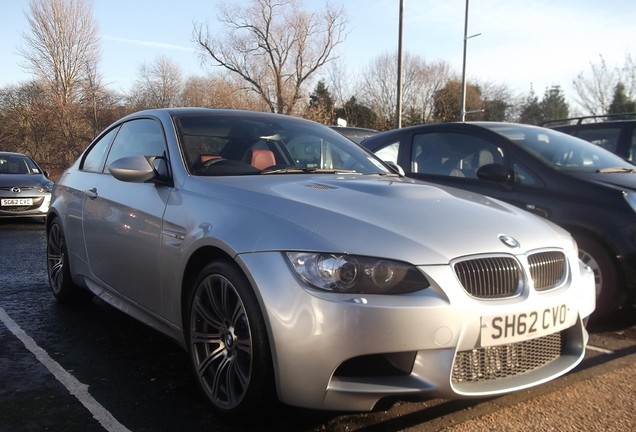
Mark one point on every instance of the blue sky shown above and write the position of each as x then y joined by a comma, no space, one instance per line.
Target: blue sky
522,43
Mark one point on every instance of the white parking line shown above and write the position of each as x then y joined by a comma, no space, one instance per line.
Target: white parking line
76,388
597,349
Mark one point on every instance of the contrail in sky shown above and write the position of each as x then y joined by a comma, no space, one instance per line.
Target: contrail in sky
147,43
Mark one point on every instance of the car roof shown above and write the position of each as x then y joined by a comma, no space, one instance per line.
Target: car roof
216,111
458,125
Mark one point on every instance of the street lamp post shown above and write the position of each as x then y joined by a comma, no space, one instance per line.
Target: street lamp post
463,92
398,113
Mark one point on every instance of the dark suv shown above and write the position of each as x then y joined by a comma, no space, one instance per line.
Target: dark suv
607,131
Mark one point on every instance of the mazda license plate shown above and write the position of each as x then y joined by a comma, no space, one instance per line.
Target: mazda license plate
8,202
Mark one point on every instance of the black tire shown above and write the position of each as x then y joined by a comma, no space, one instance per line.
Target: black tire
228,342
64,290
609,295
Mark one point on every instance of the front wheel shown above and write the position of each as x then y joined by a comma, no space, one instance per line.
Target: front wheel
227,341
58,269
608,292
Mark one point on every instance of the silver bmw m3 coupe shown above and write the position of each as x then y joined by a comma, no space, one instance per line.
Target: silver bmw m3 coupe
295,266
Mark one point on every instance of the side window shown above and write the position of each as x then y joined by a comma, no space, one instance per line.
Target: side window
389,153
452,154
632,150
142,137
525,177
95,157
603,137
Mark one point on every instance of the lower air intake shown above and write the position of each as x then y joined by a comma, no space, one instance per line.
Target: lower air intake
504,361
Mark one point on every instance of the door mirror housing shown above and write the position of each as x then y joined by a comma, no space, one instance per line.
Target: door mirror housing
395,167
495,172
140,169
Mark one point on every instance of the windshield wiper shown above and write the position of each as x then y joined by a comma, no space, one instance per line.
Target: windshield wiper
616,170
300,170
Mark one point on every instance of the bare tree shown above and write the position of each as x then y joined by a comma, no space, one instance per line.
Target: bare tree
274,46
62,45
420,83
219,92
339,81
159,84
594,91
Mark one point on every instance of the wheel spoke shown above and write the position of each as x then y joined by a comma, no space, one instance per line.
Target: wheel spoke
205,338
221,385
209,316
242,376
209,360
245,346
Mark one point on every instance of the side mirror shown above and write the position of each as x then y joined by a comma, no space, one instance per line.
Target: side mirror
135,169
395,167
494,172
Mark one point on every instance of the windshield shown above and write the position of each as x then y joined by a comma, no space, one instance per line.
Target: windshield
560,150
245,144
17,164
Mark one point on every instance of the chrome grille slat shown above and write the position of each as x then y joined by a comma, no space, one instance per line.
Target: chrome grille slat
504,361
490,278
548,269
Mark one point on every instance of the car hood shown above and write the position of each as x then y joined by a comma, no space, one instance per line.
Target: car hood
22,180
389,217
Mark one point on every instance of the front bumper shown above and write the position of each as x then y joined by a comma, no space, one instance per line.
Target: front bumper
347,352
39,208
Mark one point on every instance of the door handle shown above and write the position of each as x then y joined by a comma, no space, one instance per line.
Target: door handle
91,193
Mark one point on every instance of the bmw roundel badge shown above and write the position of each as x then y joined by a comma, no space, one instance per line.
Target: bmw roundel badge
508,241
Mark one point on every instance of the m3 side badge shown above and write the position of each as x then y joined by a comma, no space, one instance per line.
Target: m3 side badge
508,241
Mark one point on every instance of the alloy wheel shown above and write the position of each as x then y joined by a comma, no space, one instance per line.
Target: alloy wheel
56,257
221,341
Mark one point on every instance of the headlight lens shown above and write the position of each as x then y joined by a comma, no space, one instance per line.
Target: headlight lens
46,187
356,274
631,199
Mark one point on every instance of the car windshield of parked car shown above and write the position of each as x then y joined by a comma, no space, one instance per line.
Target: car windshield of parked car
562,151
215,145
17,165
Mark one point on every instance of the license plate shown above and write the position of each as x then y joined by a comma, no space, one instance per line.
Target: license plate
505,329
7,202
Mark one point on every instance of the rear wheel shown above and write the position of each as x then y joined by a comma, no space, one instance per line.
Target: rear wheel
227,340
608,292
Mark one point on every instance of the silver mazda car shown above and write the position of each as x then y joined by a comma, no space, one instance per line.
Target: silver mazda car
293,265
25,189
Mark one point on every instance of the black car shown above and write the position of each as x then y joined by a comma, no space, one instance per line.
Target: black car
582,187
617,136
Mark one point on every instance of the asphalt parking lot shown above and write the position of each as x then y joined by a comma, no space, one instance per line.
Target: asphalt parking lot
95,369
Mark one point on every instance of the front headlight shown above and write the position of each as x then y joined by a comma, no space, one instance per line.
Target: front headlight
356,274
46,187
631,199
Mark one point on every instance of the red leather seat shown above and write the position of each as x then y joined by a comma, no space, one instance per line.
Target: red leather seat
260,158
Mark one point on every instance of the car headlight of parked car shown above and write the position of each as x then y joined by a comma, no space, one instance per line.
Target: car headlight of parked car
356,274
46,188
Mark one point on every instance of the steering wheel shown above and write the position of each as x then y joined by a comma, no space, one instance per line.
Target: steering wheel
203,166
